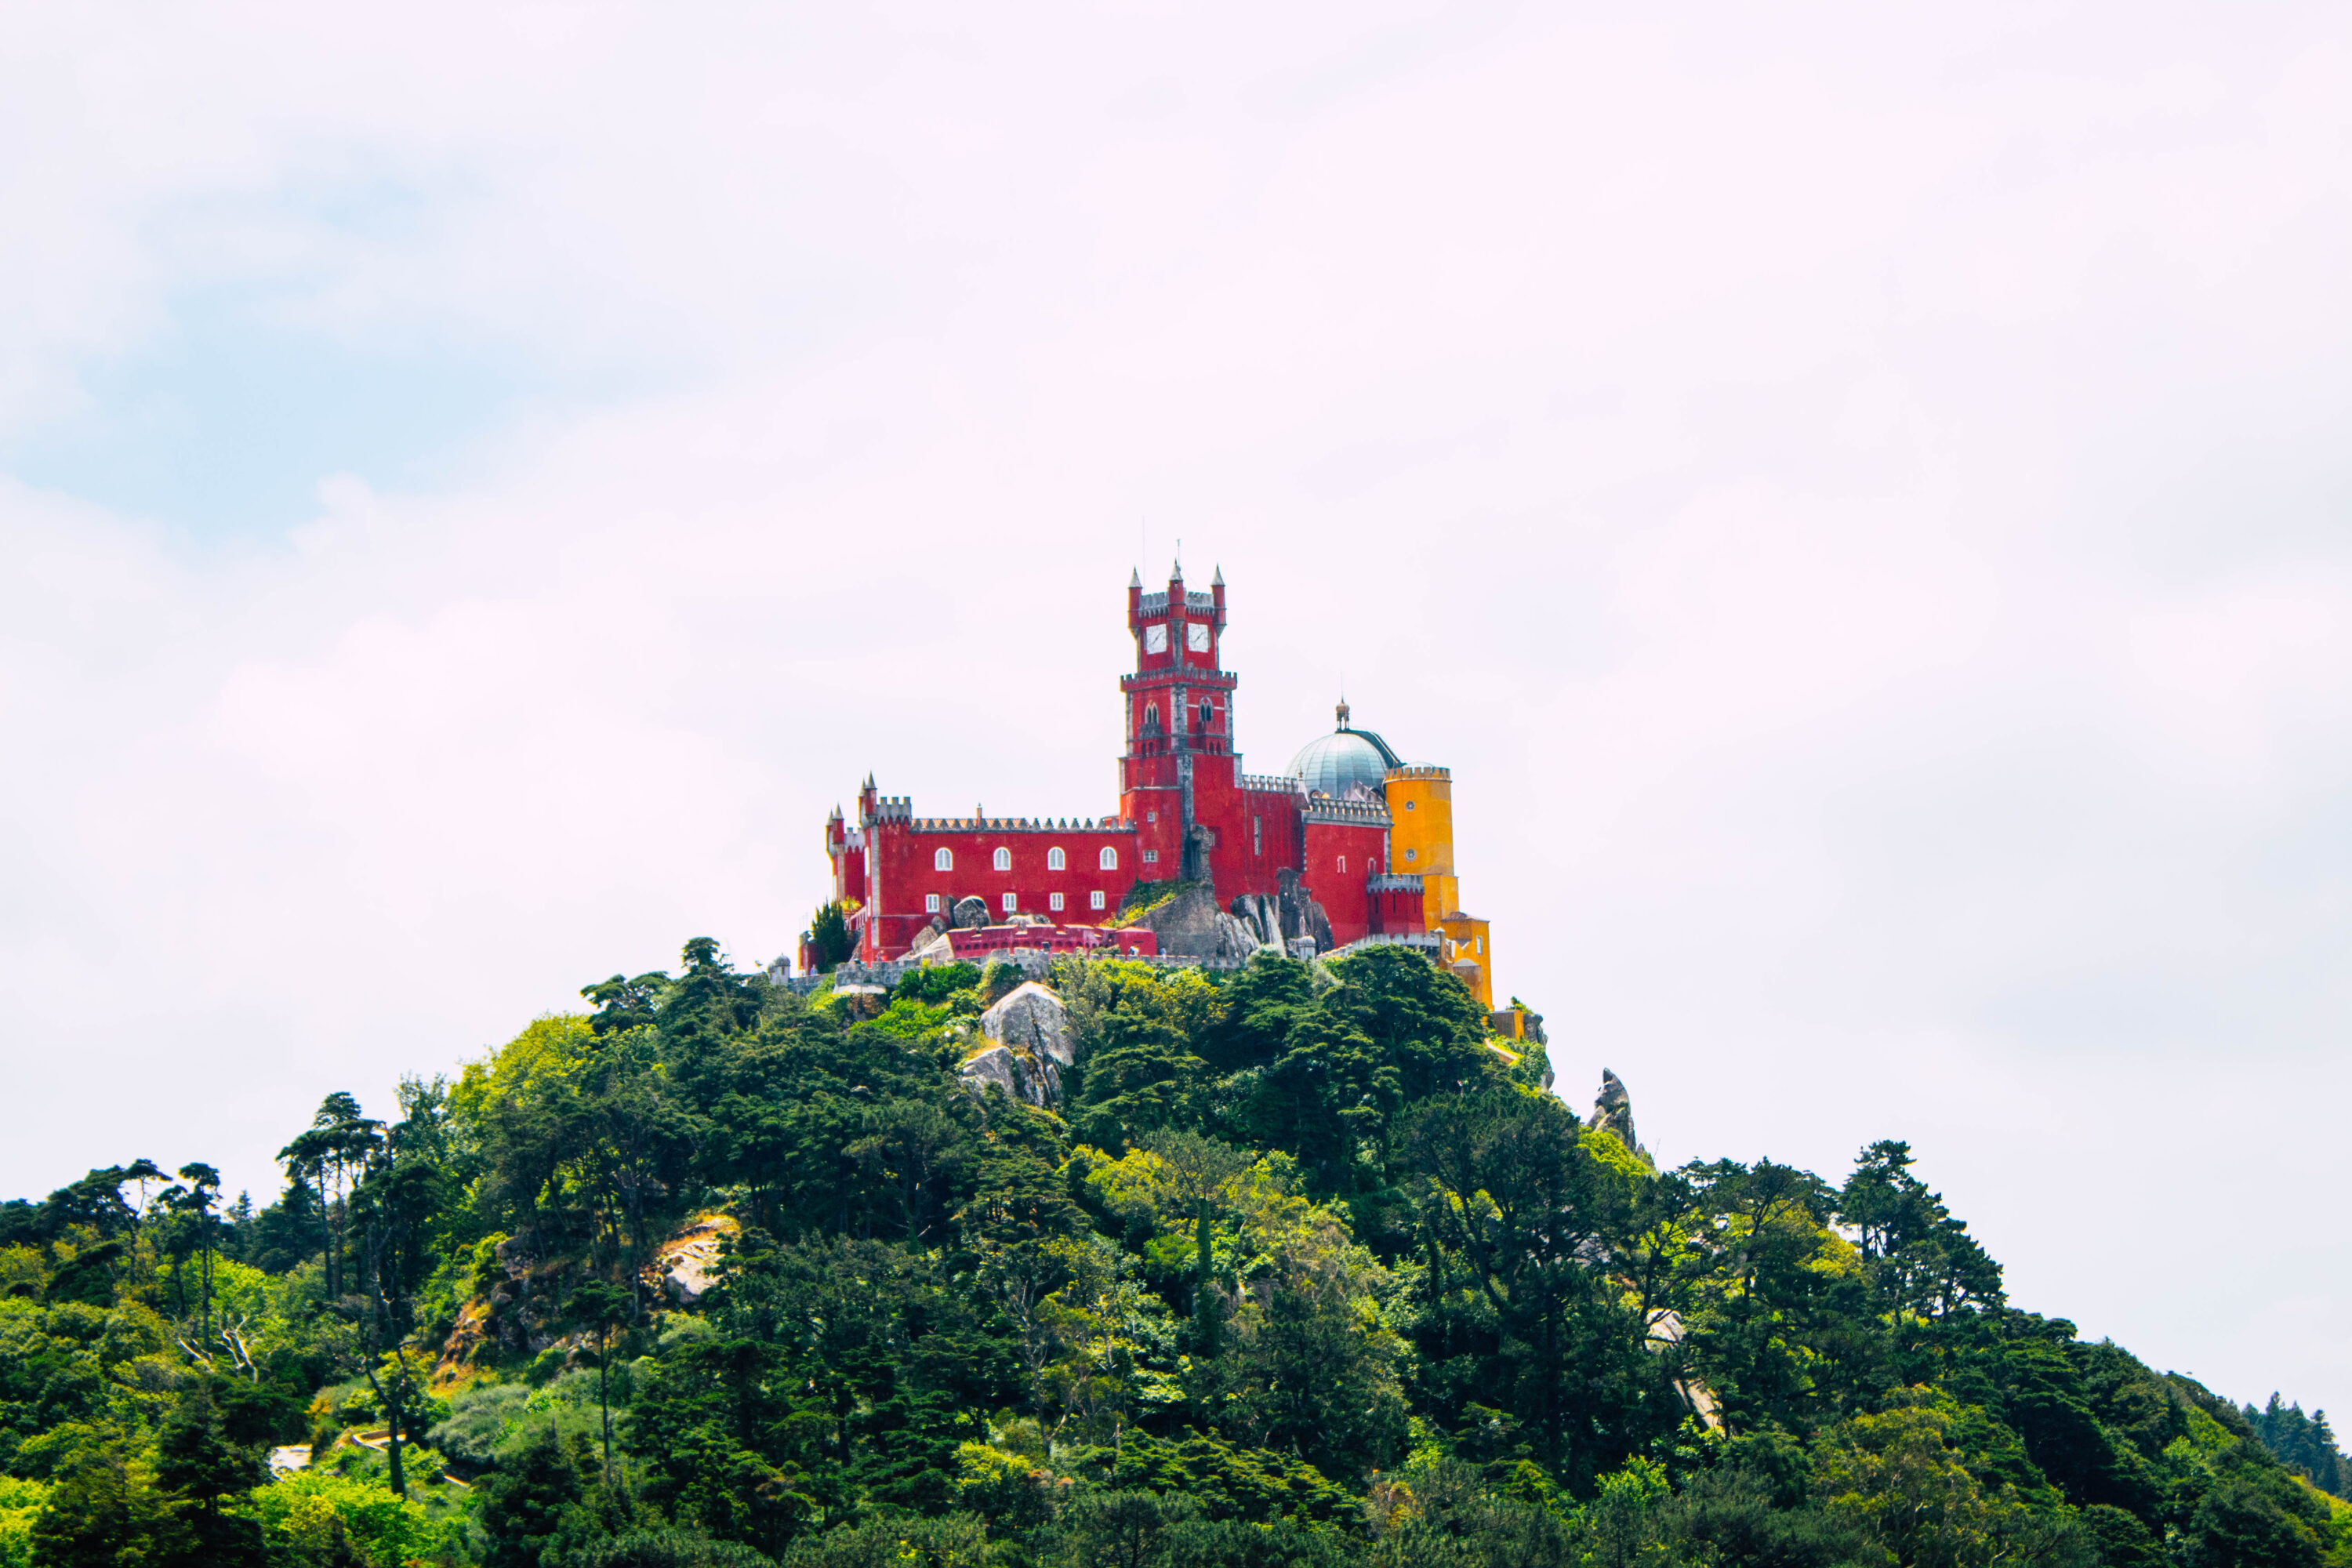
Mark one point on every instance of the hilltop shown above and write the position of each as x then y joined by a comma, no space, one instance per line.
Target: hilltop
1108,1262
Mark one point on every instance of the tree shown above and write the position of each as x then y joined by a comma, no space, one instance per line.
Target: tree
195,1201
602,1308
829,941
1523,1215
531,1509
1203,1171
106,1511
198,1464
338,1141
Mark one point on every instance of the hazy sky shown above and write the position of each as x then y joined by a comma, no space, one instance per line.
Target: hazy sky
1858,496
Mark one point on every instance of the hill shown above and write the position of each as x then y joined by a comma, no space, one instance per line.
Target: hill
1142,1266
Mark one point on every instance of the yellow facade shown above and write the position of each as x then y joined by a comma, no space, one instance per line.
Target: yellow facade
1420,844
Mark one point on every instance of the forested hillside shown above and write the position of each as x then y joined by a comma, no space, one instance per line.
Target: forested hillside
1292,1265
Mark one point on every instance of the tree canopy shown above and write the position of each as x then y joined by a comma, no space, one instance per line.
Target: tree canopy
1295,1264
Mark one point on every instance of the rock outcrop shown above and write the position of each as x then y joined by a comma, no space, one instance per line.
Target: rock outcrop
1027,1042
688,1264
1298,914
1019,1074
1030,1018
1612,1112
1191,925
970,913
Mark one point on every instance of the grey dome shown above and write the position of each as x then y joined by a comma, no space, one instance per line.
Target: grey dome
1345,762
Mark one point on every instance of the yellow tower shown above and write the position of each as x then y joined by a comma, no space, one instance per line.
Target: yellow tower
1420,836
1420,844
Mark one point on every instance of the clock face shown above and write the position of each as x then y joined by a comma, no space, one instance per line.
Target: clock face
1155,639
1196,637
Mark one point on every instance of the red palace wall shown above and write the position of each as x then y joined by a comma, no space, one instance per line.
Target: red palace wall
1179,719
902,873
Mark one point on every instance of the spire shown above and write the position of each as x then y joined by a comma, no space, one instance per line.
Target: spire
1218,579
1134,577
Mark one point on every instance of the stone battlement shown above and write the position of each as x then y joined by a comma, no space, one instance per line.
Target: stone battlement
1281,784
1422,770
1420,940
1391,884
1363,813
1156,604
1006,824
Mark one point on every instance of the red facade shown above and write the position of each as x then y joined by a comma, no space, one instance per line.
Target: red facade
1186,811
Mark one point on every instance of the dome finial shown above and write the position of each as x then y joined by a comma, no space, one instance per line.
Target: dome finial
1343,711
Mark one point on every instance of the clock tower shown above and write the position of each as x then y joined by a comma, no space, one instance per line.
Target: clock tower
1177,777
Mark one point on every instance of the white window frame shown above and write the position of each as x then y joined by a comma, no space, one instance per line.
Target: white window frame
1001,860
1057,859
1012,902
931,903
1109,859
1053,902
1095,900
942,859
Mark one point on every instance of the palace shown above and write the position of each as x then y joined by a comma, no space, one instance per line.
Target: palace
1349,844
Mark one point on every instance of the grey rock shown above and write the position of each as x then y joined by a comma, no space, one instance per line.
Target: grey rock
1018,1074
1030,1018
1613,1111
1260,916
1191,925
970,913
1300,914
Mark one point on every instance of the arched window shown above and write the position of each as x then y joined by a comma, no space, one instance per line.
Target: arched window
1109,861
1002,859
1151,718
1343,862
1208,714
942,859
1055,859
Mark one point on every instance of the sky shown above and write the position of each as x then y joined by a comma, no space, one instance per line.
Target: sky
1858,496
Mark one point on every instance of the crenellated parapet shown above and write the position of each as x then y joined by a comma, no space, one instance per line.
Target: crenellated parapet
1352,812
1259,783
1380,882
1021,825
1194,603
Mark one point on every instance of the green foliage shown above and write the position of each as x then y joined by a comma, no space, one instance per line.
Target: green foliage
2302,1442
829,941
937,983
321,1517
21,1502
1300,1269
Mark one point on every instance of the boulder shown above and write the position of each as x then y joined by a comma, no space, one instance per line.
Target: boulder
970,913
1260,917
1030,1018
688,1264
1019,1074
